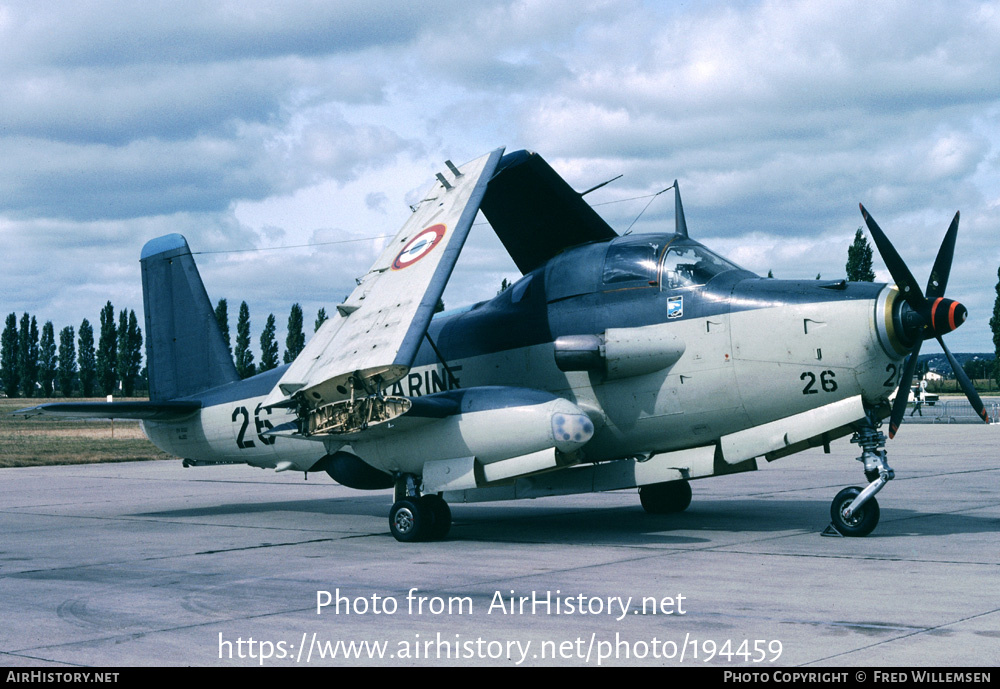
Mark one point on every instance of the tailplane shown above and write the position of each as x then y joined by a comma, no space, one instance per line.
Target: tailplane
185,350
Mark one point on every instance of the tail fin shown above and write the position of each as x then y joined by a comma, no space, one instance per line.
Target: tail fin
185,350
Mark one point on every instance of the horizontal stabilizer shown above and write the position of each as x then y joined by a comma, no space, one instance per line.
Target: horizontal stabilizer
147,411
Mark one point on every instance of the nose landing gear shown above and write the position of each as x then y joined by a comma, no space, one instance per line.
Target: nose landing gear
854,511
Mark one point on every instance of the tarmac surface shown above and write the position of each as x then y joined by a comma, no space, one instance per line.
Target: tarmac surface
149,563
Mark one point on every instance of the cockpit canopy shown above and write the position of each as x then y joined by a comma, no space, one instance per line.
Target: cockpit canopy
664,261
670,261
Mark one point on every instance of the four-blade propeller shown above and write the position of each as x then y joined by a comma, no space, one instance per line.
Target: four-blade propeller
937,314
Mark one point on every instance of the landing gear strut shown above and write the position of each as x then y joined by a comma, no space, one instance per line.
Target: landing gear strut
416,517
855,512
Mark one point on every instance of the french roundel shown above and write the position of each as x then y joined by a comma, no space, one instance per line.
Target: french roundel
419,246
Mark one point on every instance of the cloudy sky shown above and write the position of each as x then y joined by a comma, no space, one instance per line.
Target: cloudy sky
251,127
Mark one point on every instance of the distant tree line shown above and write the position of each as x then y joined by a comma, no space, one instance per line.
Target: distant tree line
33,365
243,356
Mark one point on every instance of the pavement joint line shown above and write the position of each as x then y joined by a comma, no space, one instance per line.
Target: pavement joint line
15,654
905,636
118,563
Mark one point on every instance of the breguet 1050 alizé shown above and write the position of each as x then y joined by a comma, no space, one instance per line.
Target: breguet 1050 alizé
642,361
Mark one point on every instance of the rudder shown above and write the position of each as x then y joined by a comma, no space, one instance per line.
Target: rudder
185,350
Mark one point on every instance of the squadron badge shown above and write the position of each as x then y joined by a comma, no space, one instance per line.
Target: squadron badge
675,307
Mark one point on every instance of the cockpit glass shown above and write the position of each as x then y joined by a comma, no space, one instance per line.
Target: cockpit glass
631,261
684,266
653,259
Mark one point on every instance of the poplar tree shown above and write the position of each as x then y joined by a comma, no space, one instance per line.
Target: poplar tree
295,342
859,259
121,343
67,360
9,370
107,351
27,354
222,318
268,346
244,357
47,358
995,327
129,351
86,358
320,318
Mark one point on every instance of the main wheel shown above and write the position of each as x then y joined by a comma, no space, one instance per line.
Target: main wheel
862,522
435,505
409,520
665,498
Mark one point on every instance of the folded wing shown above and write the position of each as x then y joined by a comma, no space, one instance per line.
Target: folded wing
536,213
375,335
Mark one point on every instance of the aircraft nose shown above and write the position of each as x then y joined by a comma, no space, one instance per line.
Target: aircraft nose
946,315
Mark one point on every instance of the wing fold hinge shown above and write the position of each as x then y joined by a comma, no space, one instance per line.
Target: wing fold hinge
353,415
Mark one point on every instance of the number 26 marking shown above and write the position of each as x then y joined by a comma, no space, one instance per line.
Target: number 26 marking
827,381
260,424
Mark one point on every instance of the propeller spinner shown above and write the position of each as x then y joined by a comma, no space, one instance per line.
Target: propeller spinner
937,314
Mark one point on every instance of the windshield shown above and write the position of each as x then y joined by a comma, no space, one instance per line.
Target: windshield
666,260
632,259
685,266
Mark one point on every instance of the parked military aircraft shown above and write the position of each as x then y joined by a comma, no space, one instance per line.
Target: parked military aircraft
615,362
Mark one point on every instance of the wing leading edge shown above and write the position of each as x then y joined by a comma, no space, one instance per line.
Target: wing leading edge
374,337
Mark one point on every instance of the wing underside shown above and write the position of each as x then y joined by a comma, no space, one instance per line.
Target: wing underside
374,337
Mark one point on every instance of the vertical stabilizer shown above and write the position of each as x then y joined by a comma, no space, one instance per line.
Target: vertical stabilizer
185,350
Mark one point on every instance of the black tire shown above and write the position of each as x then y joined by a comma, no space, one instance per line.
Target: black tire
665,498
436,506
409,521
862,522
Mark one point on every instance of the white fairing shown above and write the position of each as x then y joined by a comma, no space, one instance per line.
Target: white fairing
490,436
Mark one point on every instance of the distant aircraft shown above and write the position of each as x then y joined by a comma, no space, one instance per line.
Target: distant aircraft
615,362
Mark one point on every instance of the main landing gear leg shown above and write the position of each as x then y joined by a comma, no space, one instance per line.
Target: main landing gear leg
855,512
414,517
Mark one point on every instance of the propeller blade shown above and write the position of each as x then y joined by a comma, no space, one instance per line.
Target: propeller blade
938,280
897,268
966,384
903,392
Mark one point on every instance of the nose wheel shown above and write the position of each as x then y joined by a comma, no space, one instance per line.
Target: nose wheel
859,522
